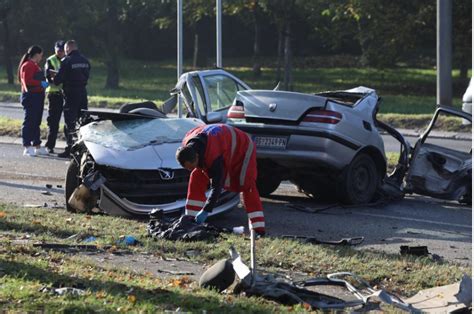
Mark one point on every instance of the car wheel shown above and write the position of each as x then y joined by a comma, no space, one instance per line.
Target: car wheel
360,180
72,182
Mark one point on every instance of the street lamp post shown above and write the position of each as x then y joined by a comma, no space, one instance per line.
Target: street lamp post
219,33
180,48
444,85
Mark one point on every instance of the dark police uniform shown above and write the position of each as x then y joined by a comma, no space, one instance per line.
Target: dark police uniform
73,74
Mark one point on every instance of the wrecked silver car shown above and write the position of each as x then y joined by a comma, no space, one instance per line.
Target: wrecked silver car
124,164
326,143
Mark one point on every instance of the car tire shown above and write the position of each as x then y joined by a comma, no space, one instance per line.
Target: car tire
71,183
360,180
267,184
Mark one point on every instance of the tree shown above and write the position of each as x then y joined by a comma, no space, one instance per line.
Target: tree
5,10
113,45
462,36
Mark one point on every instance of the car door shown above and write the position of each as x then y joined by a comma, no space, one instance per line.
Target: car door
440,167
220,89
206,94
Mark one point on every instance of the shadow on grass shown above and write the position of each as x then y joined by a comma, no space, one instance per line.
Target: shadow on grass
35,228
162,298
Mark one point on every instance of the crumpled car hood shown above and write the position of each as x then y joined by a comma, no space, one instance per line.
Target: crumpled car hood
139,144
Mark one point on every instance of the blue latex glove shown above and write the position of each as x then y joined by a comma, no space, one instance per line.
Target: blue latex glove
201,216
44,84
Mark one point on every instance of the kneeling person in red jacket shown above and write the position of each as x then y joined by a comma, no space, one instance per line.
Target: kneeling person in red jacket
226,157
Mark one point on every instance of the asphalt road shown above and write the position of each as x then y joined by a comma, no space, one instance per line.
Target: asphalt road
14,111
445,227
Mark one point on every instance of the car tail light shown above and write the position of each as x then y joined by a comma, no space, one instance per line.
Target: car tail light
236,111
323,116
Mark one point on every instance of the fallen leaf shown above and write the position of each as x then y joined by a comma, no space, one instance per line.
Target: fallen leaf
88,217
182,282
132,298
36,222
100,294
3,214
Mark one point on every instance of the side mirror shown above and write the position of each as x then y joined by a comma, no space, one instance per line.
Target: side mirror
214,117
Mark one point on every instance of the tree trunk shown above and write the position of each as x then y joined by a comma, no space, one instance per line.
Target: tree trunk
7,53
288,79
257,71
196,50
113,42
280,55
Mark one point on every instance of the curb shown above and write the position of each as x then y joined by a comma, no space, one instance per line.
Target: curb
17,141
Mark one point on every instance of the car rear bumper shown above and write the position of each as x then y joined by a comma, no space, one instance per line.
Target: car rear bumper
114,205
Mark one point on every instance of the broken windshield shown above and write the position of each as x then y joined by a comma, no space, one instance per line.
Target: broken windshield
134,134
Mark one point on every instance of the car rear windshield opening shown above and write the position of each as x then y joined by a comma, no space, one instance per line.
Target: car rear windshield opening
344,98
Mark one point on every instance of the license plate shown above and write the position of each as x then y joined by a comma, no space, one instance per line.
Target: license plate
271,142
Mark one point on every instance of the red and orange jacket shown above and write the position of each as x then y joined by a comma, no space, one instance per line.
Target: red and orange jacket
236,149
31,77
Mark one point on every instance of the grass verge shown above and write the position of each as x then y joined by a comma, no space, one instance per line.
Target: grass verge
12,127
24,269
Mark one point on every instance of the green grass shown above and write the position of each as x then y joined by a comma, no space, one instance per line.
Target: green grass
12,127
25,269
404,90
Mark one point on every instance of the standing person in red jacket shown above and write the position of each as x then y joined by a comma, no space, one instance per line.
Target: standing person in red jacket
33,84
226,157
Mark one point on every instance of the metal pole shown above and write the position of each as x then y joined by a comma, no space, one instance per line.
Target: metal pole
219,33
179,66
444,85
253,263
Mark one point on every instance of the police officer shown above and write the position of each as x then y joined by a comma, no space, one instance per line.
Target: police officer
73,74
55,95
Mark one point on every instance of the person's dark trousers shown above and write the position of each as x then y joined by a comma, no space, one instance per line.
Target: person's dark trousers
56,101
74,101
33,105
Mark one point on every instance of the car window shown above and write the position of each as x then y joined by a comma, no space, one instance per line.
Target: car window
222,90
197,89
138,133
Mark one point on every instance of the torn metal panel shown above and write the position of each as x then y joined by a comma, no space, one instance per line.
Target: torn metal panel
439,172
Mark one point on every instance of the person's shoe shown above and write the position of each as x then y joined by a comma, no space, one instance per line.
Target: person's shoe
41,151
65,154
50,150
29,151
